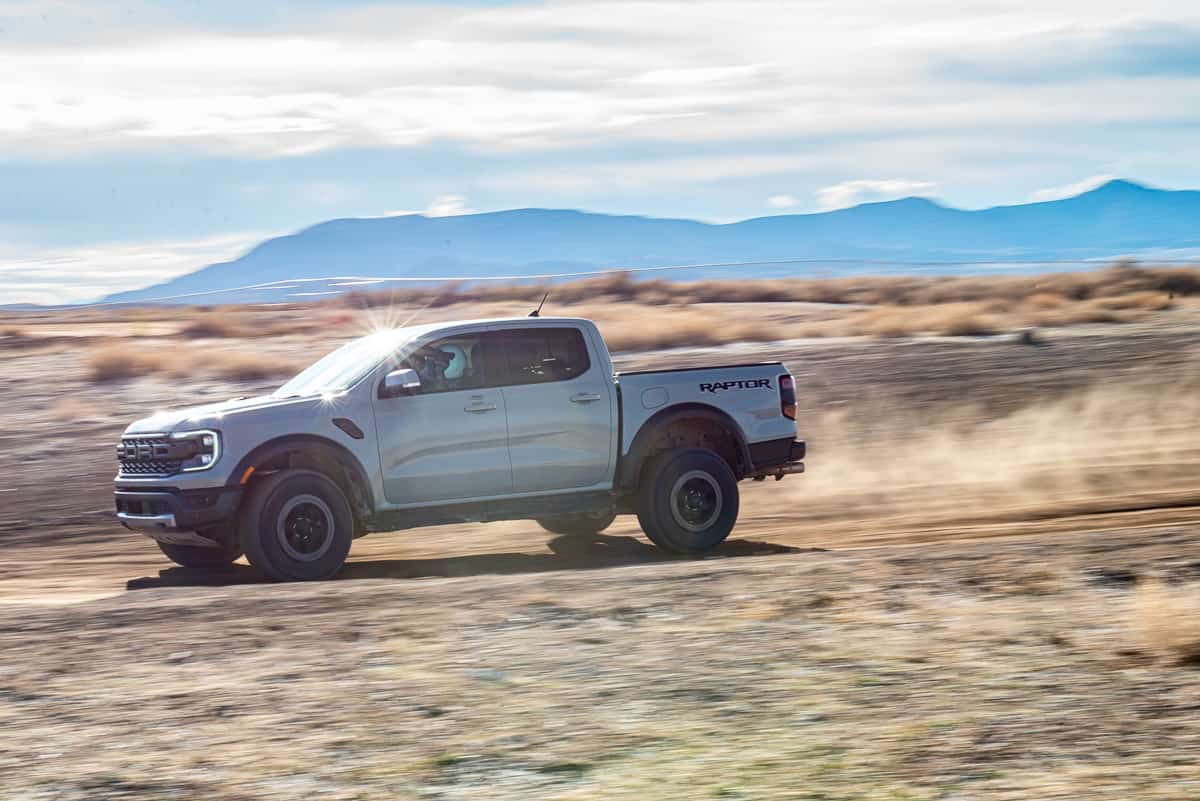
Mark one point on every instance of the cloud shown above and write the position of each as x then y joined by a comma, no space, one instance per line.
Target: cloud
851,193
1069,190
540,76
1081,52
782,201
448,206
440,206
71,275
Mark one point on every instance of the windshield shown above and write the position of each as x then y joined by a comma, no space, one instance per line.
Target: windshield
346,365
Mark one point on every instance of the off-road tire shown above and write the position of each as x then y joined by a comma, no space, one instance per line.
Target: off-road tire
199,556
688,501
578,524
296,525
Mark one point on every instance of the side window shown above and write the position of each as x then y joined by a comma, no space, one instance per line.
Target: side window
449,364
539,355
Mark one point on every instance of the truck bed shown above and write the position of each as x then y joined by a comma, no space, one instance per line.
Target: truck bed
747,393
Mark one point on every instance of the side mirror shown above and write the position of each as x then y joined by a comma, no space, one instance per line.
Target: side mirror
400,382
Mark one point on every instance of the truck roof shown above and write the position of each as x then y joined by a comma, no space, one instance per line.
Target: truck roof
525,320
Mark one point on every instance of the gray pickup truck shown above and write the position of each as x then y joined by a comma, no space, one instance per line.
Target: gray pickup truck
469,421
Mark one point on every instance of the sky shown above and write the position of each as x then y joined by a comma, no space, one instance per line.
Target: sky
140,139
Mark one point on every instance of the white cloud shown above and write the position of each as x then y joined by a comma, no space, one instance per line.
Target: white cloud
440,206
1069,190
541,75
71,275
783,201
448,206
851,193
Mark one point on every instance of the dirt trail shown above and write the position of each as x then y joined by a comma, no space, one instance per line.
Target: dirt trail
1008,669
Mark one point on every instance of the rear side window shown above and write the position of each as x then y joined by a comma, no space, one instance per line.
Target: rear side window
538,356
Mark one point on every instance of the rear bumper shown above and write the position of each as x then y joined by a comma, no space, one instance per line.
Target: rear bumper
169,510
777,453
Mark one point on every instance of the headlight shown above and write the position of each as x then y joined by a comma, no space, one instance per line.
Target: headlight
200,450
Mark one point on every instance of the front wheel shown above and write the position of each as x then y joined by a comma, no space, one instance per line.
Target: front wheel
578,524
297,526
688,501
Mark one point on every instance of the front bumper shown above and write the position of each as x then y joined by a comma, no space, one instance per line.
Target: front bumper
161,512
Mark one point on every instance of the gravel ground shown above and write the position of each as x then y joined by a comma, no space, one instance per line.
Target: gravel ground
1007,669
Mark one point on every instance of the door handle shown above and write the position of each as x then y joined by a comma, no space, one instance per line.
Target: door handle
476,408
585,397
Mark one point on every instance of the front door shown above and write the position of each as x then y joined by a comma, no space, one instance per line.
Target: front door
448,440
560,408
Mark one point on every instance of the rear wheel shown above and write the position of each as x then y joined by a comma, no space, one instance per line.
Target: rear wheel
578,523
688,501
297,526
226,553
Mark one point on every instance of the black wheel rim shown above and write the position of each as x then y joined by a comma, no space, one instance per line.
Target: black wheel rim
696,500
305,528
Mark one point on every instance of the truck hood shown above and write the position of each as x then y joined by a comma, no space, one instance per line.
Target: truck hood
211,414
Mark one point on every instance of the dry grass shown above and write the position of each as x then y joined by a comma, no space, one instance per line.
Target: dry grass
1111,447
896,306
1152,285
114,363
241,366
635,328
1167,620
213,325
950,319
72,409
655,314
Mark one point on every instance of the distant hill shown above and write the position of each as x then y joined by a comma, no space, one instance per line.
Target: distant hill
1117,219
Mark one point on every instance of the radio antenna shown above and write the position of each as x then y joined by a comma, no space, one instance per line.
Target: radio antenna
538,311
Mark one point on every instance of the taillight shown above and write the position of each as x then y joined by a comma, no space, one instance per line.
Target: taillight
787,396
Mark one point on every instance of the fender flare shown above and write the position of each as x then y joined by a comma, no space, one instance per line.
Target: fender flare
292,442
630,464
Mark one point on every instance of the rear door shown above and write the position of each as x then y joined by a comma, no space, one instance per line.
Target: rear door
447,441
560,405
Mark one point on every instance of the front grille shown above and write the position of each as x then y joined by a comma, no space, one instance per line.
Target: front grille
143,456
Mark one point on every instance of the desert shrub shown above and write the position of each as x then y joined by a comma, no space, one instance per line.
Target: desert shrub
74,409
1046,300
1167,620
966,323
950,319
212,325
15,337
116,362
1140,301
240,366
874,290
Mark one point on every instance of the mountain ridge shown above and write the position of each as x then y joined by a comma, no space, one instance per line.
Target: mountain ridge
1118,218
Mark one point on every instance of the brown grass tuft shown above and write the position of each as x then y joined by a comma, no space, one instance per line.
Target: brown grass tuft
72,409
249,366
212,325
115,363
949,319
1167,619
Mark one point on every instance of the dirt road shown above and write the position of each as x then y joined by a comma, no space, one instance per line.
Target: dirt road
1008,668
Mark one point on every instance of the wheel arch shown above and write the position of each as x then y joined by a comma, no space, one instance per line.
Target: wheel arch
314,452
696,416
